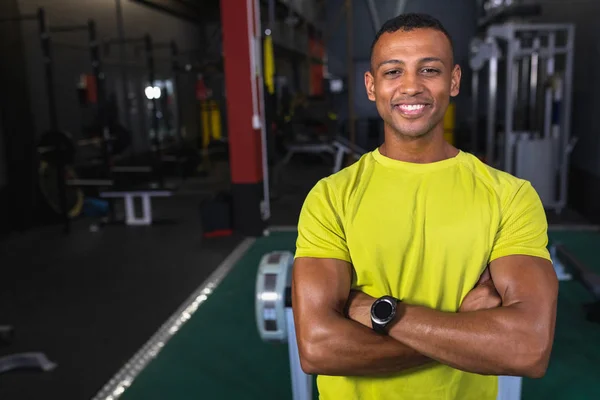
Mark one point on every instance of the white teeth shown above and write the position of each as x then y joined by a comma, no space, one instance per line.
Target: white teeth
412,107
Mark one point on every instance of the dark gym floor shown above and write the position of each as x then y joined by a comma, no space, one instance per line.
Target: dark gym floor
92,299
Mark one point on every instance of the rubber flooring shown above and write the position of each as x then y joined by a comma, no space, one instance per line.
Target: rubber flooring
218,354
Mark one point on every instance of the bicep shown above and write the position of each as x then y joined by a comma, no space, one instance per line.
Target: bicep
527,282
319,286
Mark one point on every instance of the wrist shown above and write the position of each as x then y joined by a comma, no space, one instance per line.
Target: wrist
358,308
385,311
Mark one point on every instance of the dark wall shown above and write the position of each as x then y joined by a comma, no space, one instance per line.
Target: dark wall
17,167
3,178
71,58
4,214
458,16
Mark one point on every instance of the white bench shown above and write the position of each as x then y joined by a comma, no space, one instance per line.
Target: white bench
129,197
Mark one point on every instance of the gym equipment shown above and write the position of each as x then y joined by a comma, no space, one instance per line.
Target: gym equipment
562,258
129,197
528,134
47,177
59,146
342,148
274,316
339,147
157,140
275,322
21,360
26,361
208,109
498,11
54,146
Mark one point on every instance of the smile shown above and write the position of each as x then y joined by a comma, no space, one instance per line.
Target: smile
411,109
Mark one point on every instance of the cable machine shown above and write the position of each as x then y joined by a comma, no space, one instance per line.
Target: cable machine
524,71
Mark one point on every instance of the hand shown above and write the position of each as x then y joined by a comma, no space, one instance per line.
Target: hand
358,307
483,296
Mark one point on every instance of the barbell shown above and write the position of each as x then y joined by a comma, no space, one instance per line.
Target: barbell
55,146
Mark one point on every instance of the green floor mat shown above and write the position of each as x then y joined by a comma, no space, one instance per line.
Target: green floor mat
584,245
575,364
218,354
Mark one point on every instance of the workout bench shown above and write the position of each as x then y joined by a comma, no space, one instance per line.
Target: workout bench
339,147
129,198
342,147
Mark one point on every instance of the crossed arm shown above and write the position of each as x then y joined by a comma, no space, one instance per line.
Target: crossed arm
514,338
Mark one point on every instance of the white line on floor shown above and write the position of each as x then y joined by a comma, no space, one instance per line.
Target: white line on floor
125,377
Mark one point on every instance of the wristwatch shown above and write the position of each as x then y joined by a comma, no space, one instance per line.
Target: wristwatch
383,312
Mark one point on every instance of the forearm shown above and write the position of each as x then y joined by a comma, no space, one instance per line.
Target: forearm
346,348
500,341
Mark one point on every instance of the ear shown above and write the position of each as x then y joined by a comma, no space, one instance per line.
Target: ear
455,82
370,85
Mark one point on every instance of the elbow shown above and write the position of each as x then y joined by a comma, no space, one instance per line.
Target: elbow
309,361
312,353
535,364
537,368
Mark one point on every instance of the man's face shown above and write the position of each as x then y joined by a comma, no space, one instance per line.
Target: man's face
411,80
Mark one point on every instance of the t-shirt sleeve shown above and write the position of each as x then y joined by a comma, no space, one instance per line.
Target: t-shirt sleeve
523,227
320,226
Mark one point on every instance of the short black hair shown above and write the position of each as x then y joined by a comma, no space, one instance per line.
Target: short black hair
409,22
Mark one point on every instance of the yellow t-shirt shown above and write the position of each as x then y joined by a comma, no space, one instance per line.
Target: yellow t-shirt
422,233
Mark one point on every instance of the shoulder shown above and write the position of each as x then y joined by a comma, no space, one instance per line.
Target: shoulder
500,183
342,183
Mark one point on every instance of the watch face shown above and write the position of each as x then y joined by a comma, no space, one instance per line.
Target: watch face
382,310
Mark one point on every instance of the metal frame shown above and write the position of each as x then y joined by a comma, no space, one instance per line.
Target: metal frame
339,147
543,53
129,198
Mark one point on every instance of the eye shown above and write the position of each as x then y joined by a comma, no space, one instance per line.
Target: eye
392,73
430,71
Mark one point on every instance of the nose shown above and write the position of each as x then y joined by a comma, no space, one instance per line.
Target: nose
410,84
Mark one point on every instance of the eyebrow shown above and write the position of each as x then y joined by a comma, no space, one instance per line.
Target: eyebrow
422,60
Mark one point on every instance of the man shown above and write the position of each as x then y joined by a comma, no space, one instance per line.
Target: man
420,272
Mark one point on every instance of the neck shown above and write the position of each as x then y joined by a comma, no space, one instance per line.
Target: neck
429,148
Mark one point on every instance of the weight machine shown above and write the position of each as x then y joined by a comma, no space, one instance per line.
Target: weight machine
148,45
525,71
275,323
56,148
275,317
207,127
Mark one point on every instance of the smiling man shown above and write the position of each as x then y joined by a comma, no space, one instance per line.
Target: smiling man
420,272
